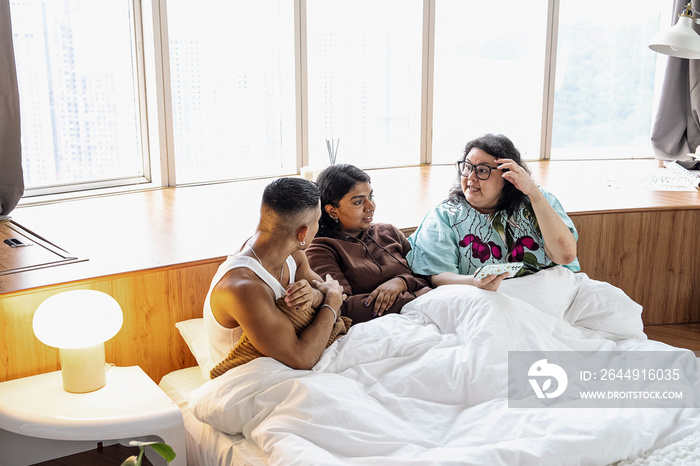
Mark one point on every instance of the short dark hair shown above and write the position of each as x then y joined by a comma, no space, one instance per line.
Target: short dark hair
290,196
500,147
335,182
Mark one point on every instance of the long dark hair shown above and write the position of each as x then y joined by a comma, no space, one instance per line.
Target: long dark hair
335,182
500,147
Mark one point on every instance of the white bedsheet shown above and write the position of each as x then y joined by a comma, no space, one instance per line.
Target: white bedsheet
429,386
206,445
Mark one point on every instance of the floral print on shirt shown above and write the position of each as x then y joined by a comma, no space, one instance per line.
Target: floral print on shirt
455,237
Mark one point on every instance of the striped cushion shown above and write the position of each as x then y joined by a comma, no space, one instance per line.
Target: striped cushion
244,351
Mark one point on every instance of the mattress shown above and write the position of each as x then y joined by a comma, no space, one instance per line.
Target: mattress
207,446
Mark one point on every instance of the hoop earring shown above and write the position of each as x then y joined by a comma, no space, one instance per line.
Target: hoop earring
303,243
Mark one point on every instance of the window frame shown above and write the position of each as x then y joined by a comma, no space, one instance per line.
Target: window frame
569,154
152,68
111,184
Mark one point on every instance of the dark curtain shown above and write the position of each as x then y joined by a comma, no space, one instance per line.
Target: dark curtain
676,128
11,179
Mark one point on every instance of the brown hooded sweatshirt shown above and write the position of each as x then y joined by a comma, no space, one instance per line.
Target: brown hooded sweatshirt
362,264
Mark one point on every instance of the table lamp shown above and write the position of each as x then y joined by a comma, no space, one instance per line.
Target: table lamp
78,323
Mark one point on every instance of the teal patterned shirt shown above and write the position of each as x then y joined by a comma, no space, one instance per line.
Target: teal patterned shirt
457,238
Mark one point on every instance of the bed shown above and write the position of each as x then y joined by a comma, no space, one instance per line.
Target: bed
431,386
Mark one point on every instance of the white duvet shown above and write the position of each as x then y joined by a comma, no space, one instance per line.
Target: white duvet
429,386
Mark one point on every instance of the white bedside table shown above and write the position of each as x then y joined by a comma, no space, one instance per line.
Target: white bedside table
40,421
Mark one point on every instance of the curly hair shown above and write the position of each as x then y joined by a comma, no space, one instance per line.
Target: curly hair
500,147
335,182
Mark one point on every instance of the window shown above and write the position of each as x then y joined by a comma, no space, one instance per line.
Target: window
256,88
605,79
77,84
233,88
489,74
364,80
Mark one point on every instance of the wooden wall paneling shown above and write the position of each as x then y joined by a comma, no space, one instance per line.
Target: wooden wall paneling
22,354
649,255
674,272
157,301
152,302
646,254
680,335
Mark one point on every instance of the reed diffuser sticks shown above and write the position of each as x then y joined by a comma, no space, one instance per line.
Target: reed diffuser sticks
332,150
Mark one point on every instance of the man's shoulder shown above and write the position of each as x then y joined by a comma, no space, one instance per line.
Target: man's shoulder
240,281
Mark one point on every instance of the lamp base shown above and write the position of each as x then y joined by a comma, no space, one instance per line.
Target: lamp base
83,369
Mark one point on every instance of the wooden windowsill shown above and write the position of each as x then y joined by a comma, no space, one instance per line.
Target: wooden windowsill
170,227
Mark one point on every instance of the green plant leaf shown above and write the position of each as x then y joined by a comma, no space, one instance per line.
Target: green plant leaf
164,450
130,461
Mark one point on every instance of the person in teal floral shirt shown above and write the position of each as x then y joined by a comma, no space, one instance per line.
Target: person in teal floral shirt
495,213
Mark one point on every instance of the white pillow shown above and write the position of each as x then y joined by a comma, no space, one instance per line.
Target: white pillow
194,334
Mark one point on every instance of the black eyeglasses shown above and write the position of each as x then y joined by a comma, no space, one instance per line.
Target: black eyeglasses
466,168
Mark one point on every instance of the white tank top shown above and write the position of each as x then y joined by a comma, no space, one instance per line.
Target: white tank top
222,339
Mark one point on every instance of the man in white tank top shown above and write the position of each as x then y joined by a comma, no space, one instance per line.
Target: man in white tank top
272,264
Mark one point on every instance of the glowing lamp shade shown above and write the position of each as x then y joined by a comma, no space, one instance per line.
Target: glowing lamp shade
78,323
680,41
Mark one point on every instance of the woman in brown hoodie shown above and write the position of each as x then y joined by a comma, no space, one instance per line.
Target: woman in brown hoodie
368,260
